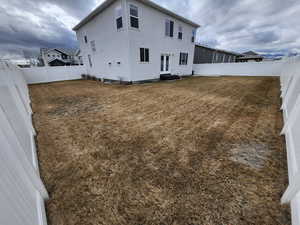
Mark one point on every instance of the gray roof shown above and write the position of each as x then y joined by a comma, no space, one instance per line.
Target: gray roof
107,3
250,53
67,51
219,50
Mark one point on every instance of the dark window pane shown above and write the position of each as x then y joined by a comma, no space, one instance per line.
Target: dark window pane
134,22
167,63
171,28
142,54
146,55
134,11
85,39
180,35
162,63
186,60
193,39
119,23
180,58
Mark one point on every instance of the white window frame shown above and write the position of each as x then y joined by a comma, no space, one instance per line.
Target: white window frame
118,15
168,28
180,31
90,60
193,39
144,55
93,45
183,58
134,16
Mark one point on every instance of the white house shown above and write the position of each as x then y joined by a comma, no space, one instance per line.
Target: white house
60,56
136,40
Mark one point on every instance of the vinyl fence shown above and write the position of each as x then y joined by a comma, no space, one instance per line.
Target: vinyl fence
239,69
22,193
49,74
290,89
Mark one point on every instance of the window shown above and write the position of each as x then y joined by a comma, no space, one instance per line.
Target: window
93,46
193,36
169,29
134,16
180,32
119,19
183,60
49,55
90,60
85,39
144,54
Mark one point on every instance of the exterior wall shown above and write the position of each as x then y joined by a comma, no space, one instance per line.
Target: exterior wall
117,54
206,55
239,69
203,55
151,34
111,45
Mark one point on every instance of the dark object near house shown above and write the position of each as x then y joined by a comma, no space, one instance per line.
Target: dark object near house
169,77
57,62
204,54
250,57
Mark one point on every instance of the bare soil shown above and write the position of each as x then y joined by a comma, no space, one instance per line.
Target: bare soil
200,151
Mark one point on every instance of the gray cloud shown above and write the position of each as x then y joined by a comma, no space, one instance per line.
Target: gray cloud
266,26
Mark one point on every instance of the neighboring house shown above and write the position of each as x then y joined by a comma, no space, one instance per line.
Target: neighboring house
204,54
250,57
60,57
135,40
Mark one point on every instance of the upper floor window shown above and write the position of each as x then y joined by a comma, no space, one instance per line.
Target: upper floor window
169,28
180,32
93,46
90,60
85,39
134,16
119,19
144,54
193,35
183,60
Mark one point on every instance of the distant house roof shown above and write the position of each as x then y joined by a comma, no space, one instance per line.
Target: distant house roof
107,3
67,51
250,53
219,50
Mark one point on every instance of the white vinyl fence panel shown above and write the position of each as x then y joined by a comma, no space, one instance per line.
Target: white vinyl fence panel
22,193
49,74
239,69
290,87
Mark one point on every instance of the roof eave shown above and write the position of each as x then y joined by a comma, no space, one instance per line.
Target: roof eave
107,3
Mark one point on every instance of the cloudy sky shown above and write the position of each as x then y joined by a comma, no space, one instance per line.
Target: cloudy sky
265,26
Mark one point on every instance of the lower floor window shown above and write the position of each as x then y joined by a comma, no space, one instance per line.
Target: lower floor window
90,60
183,59
144,54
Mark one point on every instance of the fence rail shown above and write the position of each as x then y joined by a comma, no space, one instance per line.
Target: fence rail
22,192
290,93
47,74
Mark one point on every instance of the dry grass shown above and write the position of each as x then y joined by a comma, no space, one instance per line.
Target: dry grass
198,151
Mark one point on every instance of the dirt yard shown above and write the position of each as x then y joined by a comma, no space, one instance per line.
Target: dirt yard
200,151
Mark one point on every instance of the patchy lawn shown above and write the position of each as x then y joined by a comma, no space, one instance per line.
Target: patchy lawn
197,151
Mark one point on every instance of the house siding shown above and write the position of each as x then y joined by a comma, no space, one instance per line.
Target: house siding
124,45
151,34
111,45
